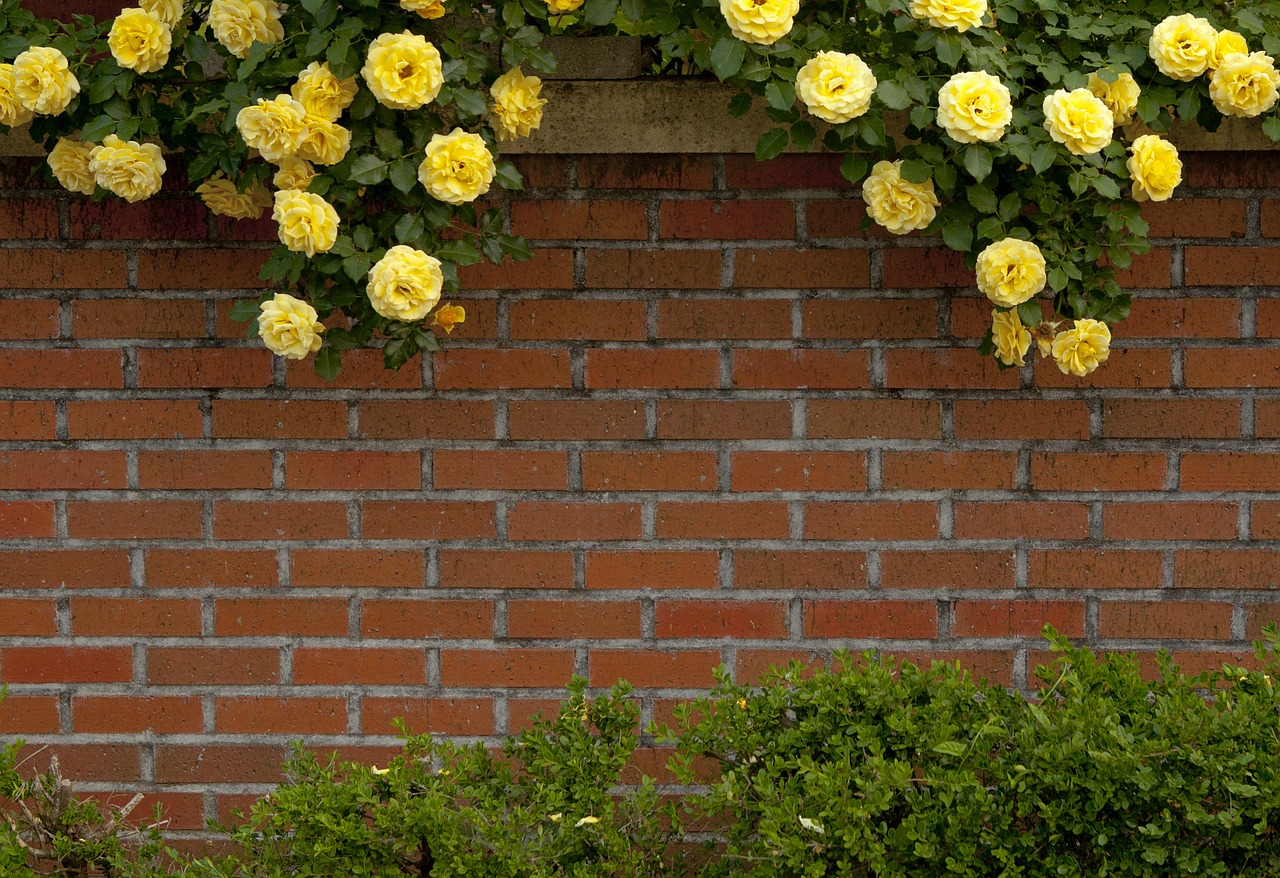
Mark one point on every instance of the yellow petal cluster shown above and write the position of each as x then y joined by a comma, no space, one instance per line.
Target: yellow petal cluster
224,199
168,11
289,327
273,127
1155,168
458,167
139,40
763,22
1245,85
238,24
306,222
12,110
323,94
403,71
1082,348
43,80
448,316
1012,340
517,107
897,204
1182,46
323,142
1011,271
130,169
69,161
1078,120
294,173
1121,95
425,8
836,86
563,6
1227,43
974,106
405,284
958,14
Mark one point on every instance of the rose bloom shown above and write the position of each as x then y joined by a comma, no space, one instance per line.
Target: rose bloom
1120,96
1082,348
760,21
1155,168
959,14
517,108
69,161
43,80
836,87
405,284
140,41
1182,46
130,169
403,71
1245,85
1228,41
897,204
425,8
306,222
562,6
294,173
12,110
1078,120
1011,338
323,142
1010,272
289,327
448,316
323,94
168,11
974,107
238,24
458,167
224,199
274,128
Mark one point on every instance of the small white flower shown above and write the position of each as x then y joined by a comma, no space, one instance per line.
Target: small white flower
812,825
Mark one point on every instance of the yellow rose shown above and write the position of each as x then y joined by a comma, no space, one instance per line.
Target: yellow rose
274,128
43,80
458,167
294,173
1245,85
1228,41
1011,338
836,87
563,6
1078,120
405,284
12,110
140,41
760,21
168,11
224,199
1182,46
959,14
69,161
1010,272
448,316
1043,334
323,142
517,108
1120,96
323,94
306,222
130,169
425,8
403,71
1082,348
1155,168
897,204
238,24
289,327
974,107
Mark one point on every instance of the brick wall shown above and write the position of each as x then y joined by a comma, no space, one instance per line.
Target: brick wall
710,422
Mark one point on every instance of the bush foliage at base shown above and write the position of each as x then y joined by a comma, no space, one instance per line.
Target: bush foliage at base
865,768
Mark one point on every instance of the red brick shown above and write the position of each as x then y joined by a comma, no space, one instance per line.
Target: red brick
576,419
1183,318
1017,618
870,520
722,419
840,218
1264,520
739,619
1229,471
280,716
29,715
1169,521
159,219
211,666
134,519
724,318
219,763
547,270
423,618
579,522
1258,616
1234,367
798,570
1097,471
353,470
366,665
27,420
75,568
60,368
873,419
1171,418
1021,520
675,368
961,470
293,617
945,369
116,763
500,470
653,269
251,520
406,520
740,219
461,568
501,369
28,617
134,419
361,369
365,568
1021,419
754,666
652,569
1234,266
1099,569
894,620
1266,419
649,471
799,471
509,668
788,369
219,568
126,617
279,419
1126,367
1165,620
138,318
586,219
1271,218
946,569
542,171
1149,271
200,269
28,218
575,319
204,367
677,171
63,270
801,269
914,268
123,714
573,620
441,716
67,664
26,519
724,521
790,171
652,668
426,419
1196,218
28,318
1226,568
870,318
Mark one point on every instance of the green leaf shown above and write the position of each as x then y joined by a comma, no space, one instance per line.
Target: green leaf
1106,187
771,143
1271,127
368,170
977,161
727,56
458,252
802,134
470,101
780,94
958,235
599,11
740,104
410,227
328,363
357,265
516,247
1042,157
404,174
982,199
949,49
257,52
952,748
100,127
245,310
1030,313
916,170
892,95
854,167
507,176
1189,103
389,143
